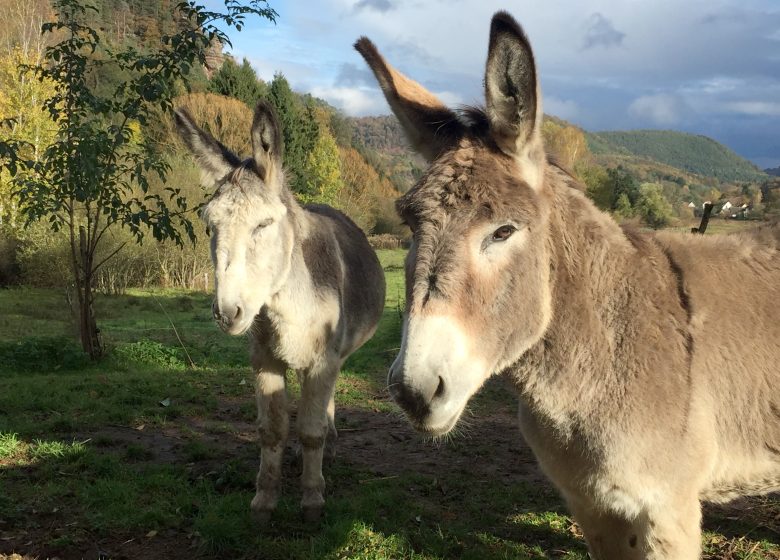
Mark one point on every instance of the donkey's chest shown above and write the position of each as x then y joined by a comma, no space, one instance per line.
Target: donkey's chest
302,338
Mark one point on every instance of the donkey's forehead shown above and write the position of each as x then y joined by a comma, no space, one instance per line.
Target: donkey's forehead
237,202
472,181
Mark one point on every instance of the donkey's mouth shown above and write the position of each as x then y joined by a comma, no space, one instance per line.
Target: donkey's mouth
234,329
432,424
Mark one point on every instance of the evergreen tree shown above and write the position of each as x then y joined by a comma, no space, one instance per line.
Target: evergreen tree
299,128
237,81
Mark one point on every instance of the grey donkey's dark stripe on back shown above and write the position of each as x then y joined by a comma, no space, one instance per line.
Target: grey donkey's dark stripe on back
339,258
320,249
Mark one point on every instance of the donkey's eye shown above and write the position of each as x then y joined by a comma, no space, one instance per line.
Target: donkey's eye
265,223
503,233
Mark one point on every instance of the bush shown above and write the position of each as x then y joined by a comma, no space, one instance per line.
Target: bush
10,273
43,353
653,207
44,257
150,353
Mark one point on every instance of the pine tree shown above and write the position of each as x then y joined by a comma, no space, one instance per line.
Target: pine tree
237,81
299,128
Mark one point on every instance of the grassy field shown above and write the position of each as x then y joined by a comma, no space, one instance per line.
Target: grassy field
143,456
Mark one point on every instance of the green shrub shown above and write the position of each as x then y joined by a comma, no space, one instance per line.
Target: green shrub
42,353
150,353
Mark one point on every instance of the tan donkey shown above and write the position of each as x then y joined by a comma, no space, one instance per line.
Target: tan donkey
302,281
638,395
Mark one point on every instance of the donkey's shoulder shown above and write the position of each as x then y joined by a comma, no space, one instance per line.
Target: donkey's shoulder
336,218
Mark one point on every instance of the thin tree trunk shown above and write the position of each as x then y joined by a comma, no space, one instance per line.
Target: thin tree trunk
88,331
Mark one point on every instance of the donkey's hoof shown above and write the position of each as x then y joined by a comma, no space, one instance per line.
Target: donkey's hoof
312,515
262,507
262,516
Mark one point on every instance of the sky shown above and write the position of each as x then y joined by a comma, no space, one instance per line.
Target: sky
708,67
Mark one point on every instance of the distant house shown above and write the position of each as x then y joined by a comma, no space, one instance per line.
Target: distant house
726,207
691,204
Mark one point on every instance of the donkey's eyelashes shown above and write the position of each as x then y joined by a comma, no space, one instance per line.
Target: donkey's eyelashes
263,224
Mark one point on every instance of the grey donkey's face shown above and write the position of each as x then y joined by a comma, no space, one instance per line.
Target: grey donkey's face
477,274
251,237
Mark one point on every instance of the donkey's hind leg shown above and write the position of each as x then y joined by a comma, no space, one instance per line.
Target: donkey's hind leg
273,425
314,422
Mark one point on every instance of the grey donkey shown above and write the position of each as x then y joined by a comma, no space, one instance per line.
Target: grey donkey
302,281
639,396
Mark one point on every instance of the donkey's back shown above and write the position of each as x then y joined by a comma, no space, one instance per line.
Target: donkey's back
341,261
732,289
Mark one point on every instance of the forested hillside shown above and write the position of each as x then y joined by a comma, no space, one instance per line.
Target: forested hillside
360,165
693,153
324,163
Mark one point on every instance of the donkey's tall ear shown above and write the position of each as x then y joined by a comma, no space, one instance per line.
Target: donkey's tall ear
267,143
215,160
430,126
512,93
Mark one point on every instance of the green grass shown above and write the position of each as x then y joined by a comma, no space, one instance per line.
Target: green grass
151,458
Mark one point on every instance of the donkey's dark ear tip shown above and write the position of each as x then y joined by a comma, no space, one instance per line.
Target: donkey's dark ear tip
364,46
503,22
264,107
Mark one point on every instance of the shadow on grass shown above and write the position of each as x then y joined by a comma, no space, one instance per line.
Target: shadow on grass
183,491
754,517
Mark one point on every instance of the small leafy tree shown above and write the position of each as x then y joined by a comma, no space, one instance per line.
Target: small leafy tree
323,172
95,174
653,207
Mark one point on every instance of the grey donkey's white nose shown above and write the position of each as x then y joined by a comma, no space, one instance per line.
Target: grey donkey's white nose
226,315
416,394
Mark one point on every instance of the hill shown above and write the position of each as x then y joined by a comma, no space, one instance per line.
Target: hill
696,159
692,153
383,144
774,171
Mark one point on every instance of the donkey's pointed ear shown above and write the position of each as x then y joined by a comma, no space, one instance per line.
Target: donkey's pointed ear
511,88
267,143
214,159
429,125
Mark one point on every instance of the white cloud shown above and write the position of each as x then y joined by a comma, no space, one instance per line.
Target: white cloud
562,108
450,99
356,102
755,108
602,33
662,109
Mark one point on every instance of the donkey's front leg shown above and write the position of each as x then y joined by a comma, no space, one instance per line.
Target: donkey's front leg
315,418
273,425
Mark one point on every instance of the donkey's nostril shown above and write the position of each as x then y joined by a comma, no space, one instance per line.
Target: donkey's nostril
411,400
238,313
440,388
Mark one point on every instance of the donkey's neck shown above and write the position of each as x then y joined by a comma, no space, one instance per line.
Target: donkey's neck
590,260
298,301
